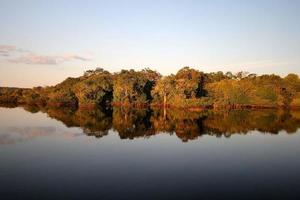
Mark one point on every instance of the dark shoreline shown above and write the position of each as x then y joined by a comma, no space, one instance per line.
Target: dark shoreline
93,106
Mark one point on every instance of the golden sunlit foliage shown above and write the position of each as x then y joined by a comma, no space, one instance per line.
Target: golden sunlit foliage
132,87
95,89
188,88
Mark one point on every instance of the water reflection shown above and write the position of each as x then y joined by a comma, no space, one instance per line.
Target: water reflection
58,150
135,123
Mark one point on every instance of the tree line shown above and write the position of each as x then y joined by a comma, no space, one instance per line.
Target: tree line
188,88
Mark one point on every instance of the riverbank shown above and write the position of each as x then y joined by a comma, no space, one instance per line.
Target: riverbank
93,106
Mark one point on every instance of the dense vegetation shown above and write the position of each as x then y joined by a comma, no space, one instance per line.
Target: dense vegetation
188,88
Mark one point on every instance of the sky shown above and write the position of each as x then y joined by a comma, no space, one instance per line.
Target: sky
43,42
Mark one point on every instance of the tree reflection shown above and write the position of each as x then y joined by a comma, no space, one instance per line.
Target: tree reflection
242,121
186,125
132,123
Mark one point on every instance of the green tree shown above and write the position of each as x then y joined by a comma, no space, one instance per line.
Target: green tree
132,87
97,89
164,90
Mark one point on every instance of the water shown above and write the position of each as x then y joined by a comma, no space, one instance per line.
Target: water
143,154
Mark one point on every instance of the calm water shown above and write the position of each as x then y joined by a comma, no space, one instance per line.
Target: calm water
143,154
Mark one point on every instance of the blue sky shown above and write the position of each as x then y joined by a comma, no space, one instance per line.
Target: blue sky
43,42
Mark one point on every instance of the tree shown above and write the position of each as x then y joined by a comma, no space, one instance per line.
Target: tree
97,89
188,88
240,75
217,76
63,93
164,90
190,83
293,81
134,87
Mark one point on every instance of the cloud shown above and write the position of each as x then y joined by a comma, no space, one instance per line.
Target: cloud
5,50
46,60
18,55
67,57
4,54
34,59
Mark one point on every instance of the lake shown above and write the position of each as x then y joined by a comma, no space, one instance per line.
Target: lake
123,153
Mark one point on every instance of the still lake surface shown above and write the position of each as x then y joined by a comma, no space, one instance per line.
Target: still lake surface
146,154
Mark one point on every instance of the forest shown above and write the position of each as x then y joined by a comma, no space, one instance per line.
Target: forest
188,88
